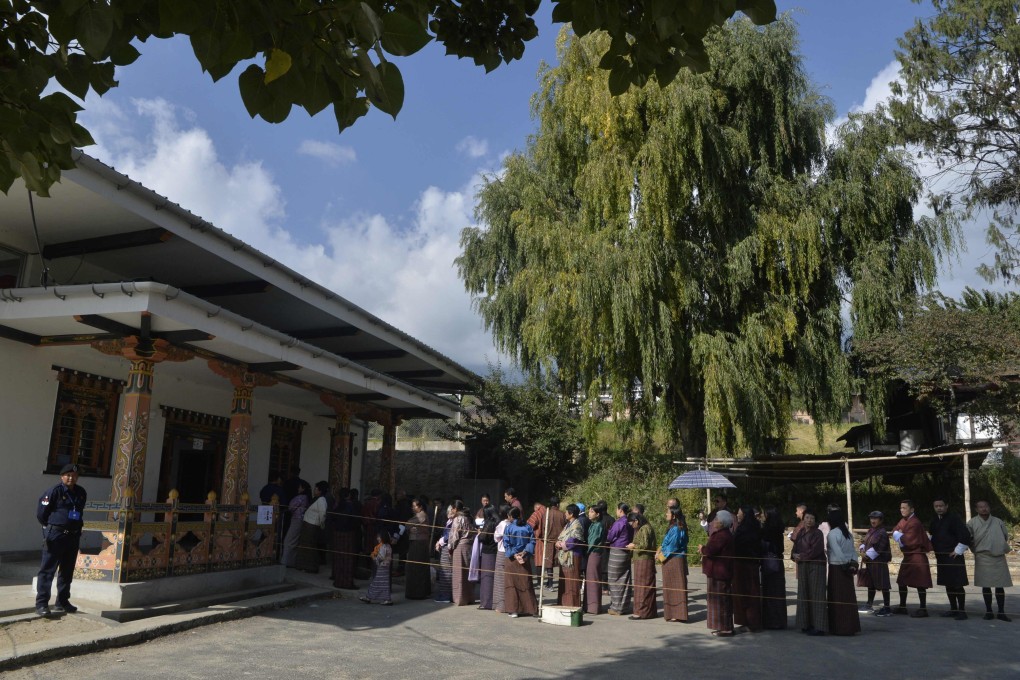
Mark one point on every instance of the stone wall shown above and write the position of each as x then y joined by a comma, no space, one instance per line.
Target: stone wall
441,474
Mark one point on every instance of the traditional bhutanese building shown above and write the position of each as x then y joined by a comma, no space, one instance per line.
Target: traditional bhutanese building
160,354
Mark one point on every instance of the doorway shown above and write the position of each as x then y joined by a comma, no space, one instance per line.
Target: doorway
194,450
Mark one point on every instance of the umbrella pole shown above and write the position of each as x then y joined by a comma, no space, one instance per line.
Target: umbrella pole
708,499
541,573
849,496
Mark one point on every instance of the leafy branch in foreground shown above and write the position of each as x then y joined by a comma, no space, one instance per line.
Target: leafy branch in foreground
307,53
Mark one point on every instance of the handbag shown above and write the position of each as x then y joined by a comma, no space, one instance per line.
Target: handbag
772,563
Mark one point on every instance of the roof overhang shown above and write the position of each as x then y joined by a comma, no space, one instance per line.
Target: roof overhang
99,225
79,315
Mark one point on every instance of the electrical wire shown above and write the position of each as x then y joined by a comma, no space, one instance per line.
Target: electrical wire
38,242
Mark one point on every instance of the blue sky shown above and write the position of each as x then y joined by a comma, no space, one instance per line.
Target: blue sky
376,212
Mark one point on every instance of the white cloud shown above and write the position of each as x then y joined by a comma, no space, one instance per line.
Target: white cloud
328,152
879,91
404,274
472,147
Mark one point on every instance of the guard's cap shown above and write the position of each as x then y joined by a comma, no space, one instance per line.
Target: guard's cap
70,467
876,513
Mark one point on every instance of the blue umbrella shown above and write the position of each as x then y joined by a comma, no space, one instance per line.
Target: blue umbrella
701,479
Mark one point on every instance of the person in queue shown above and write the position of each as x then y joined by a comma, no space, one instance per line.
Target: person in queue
519,547
812,613
717,565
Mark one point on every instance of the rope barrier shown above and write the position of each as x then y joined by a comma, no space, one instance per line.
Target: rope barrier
604,584
630,585
548,540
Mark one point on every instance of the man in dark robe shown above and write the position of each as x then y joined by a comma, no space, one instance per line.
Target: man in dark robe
875,557
950,538
914,570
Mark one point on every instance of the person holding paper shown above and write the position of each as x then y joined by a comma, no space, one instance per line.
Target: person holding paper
991,543
909,534
875,557
950,538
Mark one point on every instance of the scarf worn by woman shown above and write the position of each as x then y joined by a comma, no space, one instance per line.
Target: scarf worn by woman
572,530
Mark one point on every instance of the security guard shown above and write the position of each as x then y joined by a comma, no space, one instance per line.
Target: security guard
60,514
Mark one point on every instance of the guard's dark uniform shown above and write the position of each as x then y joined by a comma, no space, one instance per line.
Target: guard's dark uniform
60,514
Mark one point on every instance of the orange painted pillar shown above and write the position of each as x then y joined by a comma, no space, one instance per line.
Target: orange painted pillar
235,464
133,432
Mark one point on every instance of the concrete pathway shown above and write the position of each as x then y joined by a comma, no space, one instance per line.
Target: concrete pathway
344,638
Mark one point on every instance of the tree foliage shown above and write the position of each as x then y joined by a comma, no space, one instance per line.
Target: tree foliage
953,352
959,100
307,53
528,427
699,240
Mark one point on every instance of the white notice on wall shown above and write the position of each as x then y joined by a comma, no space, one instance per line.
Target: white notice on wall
265,515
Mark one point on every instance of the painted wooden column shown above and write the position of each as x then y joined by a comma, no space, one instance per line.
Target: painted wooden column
387,457
132,441
235,464
340,443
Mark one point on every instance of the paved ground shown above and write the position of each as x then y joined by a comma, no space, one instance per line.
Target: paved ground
343,638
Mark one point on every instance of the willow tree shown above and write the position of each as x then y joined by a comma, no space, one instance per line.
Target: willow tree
699,240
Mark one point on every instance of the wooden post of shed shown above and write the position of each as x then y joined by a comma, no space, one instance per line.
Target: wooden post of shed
849,500
966,486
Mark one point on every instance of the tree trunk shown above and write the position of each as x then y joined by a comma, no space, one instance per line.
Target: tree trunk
689,426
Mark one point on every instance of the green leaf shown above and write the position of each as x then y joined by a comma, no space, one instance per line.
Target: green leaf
124,54
367,24
237,46
101,77
667,71
316,95
253,89
74,81
94,28
619,79
80,136
583,20
761,12
392,98
31,173
179,16
277,65
563,12
403,35
70,6
348,111
62,27
61,134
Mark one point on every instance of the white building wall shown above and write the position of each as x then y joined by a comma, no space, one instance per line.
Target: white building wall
28,388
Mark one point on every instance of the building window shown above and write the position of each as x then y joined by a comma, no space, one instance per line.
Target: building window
84,422
285,449
12,266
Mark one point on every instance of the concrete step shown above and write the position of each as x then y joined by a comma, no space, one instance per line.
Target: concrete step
19,570
137,613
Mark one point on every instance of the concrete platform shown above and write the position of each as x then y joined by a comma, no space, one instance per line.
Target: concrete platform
176,588
99,628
